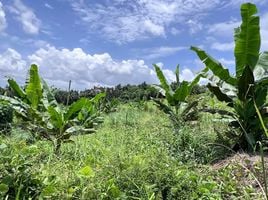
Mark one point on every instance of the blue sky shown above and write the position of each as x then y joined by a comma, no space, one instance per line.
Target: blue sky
107,42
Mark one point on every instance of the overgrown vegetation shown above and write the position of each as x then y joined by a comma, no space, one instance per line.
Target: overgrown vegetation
249,86
40,113
178,109
48,152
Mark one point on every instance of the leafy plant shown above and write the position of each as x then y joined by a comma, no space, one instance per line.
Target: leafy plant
249,83
44,117
6,116
177,108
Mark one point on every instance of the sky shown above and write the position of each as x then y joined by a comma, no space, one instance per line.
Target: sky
110,42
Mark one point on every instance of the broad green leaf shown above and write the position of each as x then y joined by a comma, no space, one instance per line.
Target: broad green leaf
80,130
33,87
182,92
163,81
261,69
48,97
18,105
216,67
87,171
75,108
98,97
245,84
202,74
219,94
160,89
188,108
247,39
16,88
55,117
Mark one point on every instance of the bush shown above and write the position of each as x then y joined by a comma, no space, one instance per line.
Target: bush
6,116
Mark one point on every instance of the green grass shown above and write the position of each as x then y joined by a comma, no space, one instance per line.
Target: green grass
133,155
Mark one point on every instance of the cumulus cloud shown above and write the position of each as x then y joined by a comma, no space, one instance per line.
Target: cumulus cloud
26,16
125,21
11,64
58,66
3,22
187,74
76,65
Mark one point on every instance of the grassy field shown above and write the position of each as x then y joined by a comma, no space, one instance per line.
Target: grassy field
134,155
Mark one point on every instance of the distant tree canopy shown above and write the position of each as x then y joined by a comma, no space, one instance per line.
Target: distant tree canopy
123,93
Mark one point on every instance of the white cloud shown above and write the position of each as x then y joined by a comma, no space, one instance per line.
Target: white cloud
161,51
62,65
153,28
194,26
125,21
224,29
223,46
227,62
187,74
26,16
3,22
58,66
11,64
175,31
49,6
239,2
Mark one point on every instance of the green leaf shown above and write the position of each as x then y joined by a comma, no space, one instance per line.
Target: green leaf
3,188
177,73
87,171
202,74
98,97
16,88
80,130
245,84
163,81
48,97
261,69
182,92
75,108
219,94
216,67
55,117
247,39
18,105
33,87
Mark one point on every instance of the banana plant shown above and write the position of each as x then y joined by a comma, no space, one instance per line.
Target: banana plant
61,123
250,82
28,102
44,117
178,109
89,116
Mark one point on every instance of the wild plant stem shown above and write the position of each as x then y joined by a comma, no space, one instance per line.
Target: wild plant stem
69,91
263,170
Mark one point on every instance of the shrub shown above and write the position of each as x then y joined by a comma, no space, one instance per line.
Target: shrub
6,116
